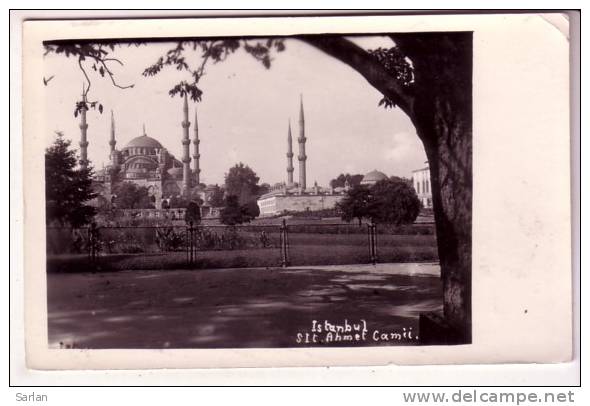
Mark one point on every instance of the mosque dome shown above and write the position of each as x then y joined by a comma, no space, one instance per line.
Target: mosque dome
143,141
373,177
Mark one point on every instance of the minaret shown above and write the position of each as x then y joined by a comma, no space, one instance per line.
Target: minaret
196,154
83,129
289,157
112,142
302,157
186,159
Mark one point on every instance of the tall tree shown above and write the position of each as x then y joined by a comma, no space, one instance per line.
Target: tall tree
193,212
393,201
242,181
234,213
68,187
355,205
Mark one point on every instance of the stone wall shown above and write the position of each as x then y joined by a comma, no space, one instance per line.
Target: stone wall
277,204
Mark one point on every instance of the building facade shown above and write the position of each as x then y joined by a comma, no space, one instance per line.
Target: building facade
421,183
278,204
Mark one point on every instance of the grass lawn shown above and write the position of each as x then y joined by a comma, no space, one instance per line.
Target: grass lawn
305,249
237,308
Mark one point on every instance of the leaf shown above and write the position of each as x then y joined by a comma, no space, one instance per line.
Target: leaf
100,108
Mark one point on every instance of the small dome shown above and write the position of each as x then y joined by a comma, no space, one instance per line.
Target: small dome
144,141
373,177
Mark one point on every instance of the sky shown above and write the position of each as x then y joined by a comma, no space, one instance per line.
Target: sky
244,113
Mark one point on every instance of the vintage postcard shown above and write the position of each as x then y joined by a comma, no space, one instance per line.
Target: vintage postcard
297,191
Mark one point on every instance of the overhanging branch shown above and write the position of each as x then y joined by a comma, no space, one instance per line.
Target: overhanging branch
361,61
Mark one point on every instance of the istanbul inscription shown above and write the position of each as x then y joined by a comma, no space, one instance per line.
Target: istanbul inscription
328,332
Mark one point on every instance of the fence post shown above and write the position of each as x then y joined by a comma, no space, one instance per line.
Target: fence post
191,243
93,242
285,244
372,233
370,239
374,243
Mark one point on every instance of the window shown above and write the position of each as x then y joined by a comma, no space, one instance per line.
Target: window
418,187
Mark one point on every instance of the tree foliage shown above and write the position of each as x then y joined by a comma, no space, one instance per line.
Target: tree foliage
402,179
390,201
99,55
214,51
355,204
128,195
183,201
251,210
216,198
193,213
340,181
234,213
241,181
393,202
90,55
263,189
396,64
67,187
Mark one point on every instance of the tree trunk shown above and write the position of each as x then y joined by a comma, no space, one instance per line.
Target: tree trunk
439,103
449,156
442,115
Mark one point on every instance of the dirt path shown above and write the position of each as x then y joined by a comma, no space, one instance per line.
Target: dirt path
227,308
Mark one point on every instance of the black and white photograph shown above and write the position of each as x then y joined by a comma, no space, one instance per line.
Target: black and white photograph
259,192
281,191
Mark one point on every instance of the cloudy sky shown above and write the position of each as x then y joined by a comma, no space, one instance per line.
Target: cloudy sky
244,113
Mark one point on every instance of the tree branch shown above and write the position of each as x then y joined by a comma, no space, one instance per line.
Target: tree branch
112,76
85,92
361,61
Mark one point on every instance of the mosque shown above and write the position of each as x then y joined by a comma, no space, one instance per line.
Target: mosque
293,196
144,161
